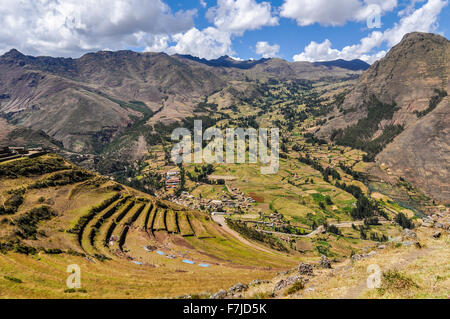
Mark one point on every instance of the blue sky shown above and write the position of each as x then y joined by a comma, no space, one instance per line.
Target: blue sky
293,38
300,30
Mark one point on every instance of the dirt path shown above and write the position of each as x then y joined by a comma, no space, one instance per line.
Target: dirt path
221,220
319,229
357,223
358,290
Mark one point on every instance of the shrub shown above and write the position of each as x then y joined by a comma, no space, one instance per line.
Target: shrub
362,233
62,178
16,280
299,285
376,237
26,250
32,166
53,251
75,253
12,205
395,280
101,257
73,290
404,221
27,223
364,208
371,221
6,246
333,229
256,235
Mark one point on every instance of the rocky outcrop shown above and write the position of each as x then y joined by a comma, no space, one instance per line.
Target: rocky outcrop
325,262
409,76
305,269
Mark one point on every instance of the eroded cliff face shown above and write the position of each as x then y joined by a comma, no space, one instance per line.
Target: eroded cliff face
409,75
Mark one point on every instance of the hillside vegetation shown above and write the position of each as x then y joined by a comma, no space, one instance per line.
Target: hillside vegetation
114,233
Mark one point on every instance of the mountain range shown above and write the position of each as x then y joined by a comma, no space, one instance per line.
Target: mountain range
72,100
397,110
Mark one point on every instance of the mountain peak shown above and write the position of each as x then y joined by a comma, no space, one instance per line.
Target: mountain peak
13,53
420,36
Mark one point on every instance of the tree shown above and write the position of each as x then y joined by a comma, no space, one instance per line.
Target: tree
404,221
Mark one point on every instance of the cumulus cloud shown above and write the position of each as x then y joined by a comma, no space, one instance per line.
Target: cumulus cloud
325,12
208,43
318,52
324,51
266,50
155,43
237,16
423,19
231,18
72,27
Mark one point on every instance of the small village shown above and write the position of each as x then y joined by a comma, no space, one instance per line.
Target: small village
231,202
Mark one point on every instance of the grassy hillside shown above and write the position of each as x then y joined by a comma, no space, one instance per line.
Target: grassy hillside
66,215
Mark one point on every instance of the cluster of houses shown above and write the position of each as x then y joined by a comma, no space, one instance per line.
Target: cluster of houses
9,152
173,179
228,202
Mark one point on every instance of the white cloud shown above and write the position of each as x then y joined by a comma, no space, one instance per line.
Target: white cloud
423,19
230,18
266,50
209,43
72,27
155,43
237,16
318,52
325,12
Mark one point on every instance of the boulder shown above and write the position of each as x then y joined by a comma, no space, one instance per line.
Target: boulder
255,282
305,269
409,235
428,224
283,283
437,234
280,285
409,243
237,288
325,262
321,230
219,295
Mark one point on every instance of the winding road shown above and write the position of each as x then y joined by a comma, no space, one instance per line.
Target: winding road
219,219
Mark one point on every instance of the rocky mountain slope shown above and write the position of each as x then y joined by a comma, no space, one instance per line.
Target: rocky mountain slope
84,102
402,98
